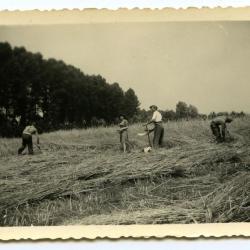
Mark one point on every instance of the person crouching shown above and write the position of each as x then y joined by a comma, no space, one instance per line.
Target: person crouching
219,128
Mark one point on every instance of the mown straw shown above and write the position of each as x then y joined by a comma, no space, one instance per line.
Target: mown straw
68,167
231,201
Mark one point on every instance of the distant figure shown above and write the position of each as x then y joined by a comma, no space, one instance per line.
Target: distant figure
158,128
123,131
219,127
27,139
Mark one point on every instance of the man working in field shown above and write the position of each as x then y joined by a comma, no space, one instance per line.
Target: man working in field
123,131
27,139
219,127
158,128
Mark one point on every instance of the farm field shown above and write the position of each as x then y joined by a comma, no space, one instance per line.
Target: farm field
82,177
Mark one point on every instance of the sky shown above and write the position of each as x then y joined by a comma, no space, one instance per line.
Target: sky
205,64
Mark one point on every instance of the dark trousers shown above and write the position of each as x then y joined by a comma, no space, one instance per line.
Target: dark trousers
158,135
26,141
217,132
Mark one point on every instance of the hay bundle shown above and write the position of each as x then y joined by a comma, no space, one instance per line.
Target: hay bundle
231,201
53,175
70,167
166,215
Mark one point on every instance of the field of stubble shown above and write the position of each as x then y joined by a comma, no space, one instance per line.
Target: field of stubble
82,177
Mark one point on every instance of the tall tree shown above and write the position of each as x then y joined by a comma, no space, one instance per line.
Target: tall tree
192,111
181,110
54,94
130,104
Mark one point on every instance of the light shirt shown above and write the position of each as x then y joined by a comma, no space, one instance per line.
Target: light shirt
157,117
29,130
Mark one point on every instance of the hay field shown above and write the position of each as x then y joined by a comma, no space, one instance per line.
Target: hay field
82,177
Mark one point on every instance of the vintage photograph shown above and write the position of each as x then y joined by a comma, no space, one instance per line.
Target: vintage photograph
124,123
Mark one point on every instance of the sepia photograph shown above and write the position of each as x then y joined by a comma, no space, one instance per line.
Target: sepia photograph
124,123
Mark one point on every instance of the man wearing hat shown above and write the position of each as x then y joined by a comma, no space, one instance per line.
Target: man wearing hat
219,127
158,128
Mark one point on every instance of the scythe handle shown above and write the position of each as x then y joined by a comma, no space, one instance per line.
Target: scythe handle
149,141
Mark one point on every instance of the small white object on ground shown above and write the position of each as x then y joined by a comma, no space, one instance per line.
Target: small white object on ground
142,134
147,149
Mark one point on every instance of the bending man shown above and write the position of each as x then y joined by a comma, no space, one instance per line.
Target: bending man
27,139
219,127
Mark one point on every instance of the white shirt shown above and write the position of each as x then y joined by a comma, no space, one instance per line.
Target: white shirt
157,117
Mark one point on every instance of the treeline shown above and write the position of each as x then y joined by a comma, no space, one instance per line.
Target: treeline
55,95
183,111
233,114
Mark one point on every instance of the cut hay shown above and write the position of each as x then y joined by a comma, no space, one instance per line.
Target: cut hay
70,176
231,201
193,181
166,215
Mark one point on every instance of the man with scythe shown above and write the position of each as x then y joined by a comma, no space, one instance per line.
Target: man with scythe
158,128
